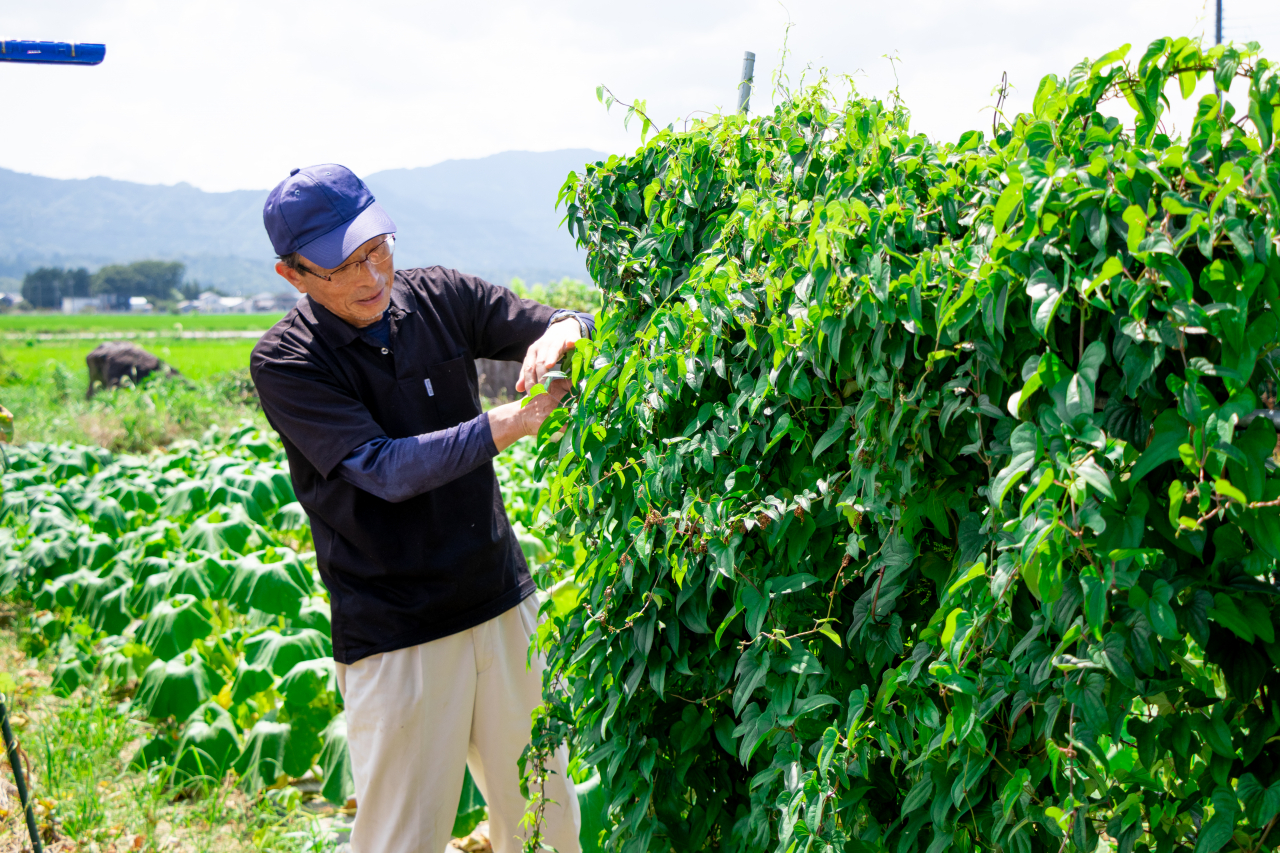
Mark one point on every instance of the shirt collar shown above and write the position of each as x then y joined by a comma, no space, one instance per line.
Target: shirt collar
401,296
338,332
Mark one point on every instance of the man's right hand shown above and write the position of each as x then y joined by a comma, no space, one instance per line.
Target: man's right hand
512,421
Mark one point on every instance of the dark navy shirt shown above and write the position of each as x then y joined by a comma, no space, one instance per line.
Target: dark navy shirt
396,469
436,555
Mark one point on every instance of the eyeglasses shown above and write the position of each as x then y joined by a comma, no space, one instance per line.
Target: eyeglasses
378,254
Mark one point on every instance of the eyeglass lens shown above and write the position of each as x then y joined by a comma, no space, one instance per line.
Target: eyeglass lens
378,254
383,250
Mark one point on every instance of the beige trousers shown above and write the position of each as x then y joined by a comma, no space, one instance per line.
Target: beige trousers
417,716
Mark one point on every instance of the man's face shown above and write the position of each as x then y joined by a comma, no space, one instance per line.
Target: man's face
358,294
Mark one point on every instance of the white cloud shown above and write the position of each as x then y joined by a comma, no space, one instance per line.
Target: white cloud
232,94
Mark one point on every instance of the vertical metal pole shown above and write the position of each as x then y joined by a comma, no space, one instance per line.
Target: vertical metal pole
1217,39
748,74
11,746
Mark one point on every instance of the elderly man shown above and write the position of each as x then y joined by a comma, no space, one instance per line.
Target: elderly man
371,383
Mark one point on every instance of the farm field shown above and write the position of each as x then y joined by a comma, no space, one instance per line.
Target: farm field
195,358
113,324
90,790
43,379
912,495
79,749
228,669
31,344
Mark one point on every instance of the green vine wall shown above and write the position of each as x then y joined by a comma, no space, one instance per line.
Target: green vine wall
927,502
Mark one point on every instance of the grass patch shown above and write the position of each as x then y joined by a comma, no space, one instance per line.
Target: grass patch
89,798
110,324
196,358
43,383
49,406
193,357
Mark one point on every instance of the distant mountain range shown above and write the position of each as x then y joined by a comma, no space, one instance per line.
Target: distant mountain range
494,217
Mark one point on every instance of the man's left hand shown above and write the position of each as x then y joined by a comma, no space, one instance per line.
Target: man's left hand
547,351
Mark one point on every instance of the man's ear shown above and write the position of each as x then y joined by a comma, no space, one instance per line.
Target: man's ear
292,276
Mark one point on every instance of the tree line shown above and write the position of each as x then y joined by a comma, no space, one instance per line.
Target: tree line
158,281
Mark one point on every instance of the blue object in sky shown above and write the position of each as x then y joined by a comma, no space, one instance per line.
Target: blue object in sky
52,52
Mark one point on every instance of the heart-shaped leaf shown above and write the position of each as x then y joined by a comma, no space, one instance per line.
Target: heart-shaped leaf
220,530
250,680
177,687
273,581
291,516
262,759
201,575
208,747
281,650
314,614
335,761
173,625
307,680
185,500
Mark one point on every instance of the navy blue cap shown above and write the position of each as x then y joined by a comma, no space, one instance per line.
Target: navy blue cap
324,212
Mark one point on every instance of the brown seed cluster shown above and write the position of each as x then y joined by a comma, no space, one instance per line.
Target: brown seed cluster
763,519
799,513
846,562
652,520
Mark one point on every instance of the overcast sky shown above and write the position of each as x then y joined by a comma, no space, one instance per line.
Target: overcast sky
232,94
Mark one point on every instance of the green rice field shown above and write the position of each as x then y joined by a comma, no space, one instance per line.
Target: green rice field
195,358
31,343
111,324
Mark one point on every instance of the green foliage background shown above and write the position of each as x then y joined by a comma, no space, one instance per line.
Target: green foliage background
921,505
566,293
157,280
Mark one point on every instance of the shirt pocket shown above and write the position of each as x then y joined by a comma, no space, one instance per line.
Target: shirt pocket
451,385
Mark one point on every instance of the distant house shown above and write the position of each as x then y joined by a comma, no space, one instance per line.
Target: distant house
205,303
8,300
139,304
272,303
211,303
264,303
77,304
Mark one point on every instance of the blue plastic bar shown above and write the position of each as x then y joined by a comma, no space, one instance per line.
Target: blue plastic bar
52,52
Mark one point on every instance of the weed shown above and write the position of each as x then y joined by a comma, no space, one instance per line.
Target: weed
77,752
51,408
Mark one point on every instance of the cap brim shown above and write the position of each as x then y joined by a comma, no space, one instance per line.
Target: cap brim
331,250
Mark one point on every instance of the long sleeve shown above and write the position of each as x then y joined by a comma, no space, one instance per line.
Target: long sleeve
396,469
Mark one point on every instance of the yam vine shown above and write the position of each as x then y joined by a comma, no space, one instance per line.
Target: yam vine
926,496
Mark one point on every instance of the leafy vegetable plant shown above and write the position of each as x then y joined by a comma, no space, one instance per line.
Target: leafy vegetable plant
186,579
